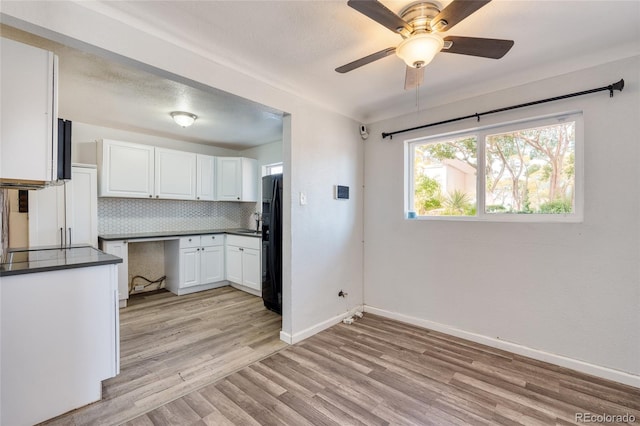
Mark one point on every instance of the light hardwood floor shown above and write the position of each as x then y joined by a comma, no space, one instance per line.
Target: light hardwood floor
173,345
379,372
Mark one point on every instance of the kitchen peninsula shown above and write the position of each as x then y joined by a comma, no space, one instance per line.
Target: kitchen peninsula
60,330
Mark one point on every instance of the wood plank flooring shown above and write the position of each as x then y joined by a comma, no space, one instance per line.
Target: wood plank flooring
381,372
173,345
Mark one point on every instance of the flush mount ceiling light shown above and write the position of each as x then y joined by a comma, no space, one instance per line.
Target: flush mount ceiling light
184,119
420,49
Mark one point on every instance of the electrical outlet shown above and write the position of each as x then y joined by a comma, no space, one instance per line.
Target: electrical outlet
138,288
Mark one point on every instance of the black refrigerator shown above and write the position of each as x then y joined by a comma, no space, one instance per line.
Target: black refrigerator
272,242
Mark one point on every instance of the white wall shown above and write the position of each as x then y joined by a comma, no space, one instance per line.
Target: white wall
317,142
567,293
266,154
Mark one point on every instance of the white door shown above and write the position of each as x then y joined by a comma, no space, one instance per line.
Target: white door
228,178
175,174
46,217
234,264
82,207
126,169
189,267
251,269
211,264
205,188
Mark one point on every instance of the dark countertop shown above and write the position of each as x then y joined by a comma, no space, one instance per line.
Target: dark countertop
32,260
169,234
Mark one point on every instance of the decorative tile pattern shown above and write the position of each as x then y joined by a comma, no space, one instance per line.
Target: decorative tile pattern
130,215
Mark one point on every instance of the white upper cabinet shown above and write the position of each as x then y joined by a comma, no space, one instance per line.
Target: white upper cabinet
175,174
125,169
205,185
236,179
28,113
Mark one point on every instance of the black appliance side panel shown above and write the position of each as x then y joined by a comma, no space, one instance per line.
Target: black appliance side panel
64,149
272,242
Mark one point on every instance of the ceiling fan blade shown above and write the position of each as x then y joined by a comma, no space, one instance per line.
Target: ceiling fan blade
366,60
413,78
456,12
484,47
379,13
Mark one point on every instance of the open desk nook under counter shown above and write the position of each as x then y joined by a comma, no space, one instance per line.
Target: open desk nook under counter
194,260
60,330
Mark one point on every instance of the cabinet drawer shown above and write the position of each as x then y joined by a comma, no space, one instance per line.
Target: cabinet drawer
247,242
212,240
191,241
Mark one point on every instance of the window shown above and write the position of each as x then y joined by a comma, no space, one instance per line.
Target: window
272,169
518,172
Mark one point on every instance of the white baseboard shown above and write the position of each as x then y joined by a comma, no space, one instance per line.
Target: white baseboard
574,364
308,332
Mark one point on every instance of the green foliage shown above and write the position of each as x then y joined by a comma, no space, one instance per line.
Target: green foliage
495,208
562,205
427,194
458,203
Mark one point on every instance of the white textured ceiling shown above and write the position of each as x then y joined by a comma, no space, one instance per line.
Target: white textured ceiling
296,45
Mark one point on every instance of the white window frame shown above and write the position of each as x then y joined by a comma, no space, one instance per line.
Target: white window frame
266,169
480,133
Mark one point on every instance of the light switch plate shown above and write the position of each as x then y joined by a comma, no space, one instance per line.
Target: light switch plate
303,198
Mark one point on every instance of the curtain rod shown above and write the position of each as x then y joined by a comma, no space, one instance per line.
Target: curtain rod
615,86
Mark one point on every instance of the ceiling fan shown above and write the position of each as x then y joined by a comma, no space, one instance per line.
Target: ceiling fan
419,24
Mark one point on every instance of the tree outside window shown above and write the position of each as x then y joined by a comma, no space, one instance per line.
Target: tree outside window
524,171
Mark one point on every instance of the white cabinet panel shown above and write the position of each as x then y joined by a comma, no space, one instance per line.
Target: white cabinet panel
125,169
194,263
81,201
229,178
65,214
251,269
28,112
211,264
234,264
244,261
205,185
236,179
175,174
120,249
189,267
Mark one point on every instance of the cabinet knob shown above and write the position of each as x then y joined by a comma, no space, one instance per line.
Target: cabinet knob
238,198
197,198
157,196
189,239
213,238
150,196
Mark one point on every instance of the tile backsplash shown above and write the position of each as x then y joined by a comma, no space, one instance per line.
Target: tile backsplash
131,215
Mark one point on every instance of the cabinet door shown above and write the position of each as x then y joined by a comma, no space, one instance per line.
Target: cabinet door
82,207
234,264
205,188
47,217
175,174
211,264
251,269
28,108
249,180
189,267
125,169
120,248
228,178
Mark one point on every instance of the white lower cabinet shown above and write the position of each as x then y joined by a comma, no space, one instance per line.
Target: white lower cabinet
120,248
194,263
243,262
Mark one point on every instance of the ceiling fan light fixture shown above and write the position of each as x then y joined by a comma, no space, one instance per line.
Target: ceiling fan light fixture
420,49
183,119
